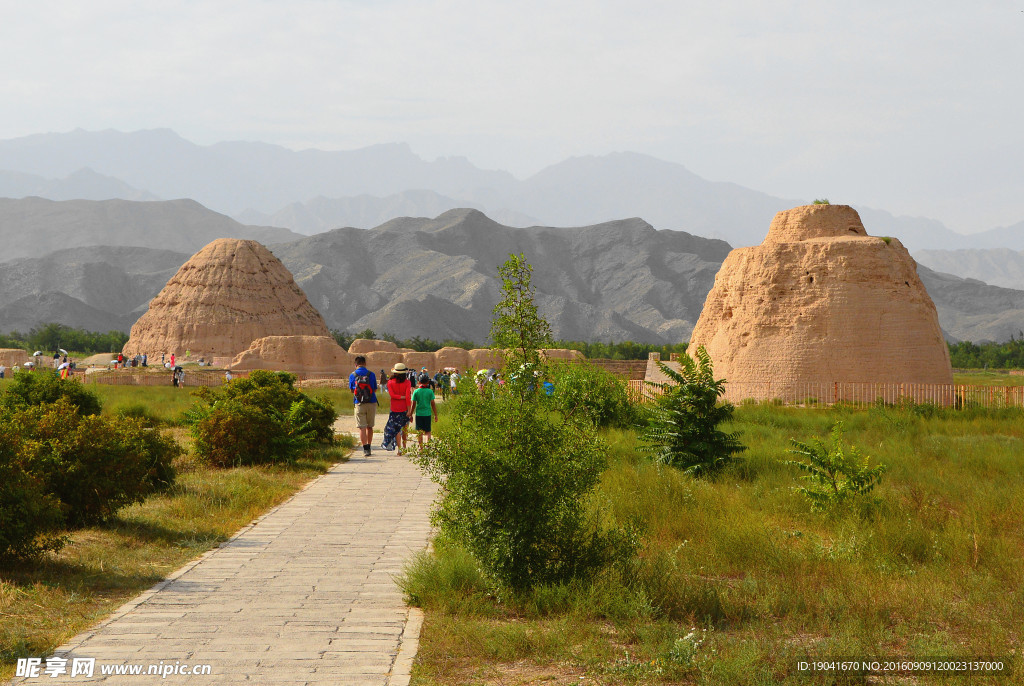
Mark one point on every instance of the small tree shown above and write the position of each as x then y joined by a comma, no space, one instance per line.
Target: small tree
835,473
517,328
683,423
516,476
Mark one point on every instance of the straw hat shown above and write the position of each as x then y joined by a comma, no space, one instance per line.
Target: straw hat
399,368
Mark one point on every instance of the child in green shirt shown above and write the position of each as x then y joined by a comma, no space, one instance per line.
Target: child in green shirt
423,406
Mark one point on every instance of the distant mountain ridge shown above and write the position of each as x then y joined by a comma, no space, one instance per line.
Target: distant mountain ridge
437,278
34,227
84,184
366,211
305,189
996,266
235,176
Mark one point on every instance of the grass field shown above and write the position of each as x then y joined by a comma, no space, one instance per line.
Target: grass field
44,603
980,377
738,579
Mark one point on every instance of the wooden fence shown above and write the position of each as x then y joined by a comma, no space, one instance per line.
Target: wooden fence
857,393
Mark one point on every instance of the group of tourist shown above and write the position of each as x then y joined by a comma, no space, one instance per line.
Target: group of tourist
444,381
61,365
412,398
123,361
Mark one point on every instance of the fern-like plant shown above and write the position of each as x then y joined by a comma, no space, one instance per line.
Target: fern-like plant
835,472
682,429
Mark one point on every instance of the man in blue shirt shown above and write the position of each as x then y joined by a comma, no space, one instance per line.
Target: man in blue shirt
363,384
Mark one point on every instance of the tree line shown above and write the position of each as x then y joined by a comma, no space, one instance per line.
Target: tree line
1008,355
50,337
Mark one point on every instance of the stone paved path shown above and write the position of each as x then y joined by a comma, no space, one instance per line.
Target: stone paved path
305,595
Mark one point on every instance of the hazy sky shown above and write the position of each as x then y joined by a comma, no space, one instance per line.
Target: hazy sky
914,107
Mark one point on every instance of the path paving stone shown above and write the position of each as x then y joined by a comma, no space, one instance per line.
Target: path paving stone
305,595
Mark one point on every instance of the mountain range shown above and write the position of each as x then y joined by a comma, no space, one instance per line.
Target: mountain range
433,278
309,191
34,227
997,266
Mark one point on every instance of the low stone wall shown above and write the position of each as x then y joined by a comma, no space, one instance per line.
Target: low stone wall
624,369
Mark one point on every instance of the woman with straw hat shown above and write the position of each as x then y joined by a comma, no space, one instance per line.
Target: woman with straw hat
396,431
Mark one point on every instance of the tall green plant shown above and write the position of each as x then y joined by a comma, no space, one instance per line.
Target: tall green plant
517,476
516,327
682,429
30,518
516,485
836,473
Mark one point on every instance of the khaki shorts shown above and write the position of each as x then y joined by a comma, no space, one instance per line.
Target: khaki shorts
366,413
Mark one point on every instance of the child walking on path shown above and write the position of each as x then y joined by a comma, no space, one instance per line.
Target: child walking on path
423,406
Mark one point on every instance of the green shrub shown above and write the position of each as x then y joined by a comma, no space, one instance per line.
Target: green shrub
29,389
258,420
516,480
593,393
234,434
835,473
318,415
683,423
29,516
93,465
140,412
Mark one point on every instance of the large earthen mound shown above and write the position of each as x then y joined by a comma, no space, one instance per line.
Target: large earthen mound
227,295
300,354
820,302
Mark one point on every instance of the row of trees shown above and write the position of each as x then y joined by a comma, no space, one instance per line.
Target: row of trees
50,337
1008,355
420,345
